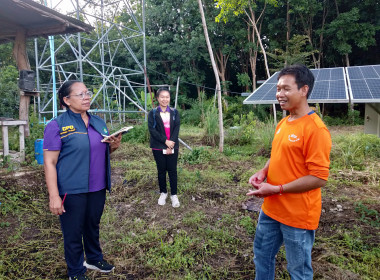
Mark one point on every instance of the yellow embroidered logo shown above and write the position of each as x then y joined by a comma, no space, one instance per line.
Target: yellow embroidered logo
65,128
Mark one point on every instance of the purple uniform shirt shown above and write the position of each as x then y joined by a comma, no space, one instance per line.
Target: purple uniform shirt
97,180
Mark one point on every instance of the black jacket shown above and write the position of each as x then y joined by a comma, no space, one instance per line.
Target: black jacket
157,133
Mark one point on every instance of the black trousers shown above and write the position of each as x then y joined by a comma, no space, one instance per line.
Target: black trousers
80,228
166,163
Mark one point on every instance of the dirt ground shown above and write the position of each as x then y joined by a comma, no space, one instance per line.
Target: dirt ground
339,213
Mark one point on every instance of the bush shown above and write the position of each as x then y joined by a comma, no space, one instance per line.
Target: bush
351,151
36,132
352,118
211,125
138,134
9,92
196,156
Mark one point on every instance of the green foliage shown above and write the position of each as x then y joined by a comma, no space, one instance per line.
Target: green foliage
243,131
352,151
11,201
248,224
368,216
194,218
347,31
9,92
148,101
235,7
244,80
352,118
211,125
138,134
248,130
353,253
36,132
173,257
296,53
198,155
195,115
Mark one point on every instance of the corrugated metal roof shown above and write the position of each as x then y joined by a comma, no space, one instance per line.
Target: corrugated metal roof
35,19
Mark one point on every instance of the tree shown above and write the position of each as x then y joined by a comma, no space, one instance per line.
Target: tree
248,8
9,92
347,31
296,53
218,89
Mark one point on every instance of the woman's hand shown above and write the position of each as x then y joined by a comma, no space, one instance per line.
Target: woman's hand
170,144
169,151
56,205
114,142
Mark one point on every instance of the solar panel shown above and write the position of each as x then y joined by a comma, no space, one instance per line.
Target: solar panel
329,87
364,83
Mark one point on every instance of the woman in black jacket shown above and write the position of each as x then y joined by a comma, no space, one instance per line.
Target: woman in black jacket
164,123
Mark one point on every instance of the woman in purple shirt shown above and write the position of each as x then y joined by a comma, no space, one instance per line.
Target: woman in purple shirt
77,172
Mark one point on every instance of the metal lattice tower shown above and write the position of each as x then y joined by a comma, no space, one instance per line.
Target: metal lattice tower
104,60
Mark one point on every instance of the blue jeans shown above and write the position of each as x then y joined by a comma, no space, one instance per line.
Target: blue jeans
270,234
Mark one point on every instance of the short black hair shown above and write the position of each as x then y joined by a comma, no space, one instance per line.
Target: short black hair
65,90
302,75
160,90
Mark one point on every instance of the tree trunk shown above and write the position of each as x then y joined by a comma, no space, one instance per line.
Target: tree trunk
253,22
214,67
320,53
287,31
252,56
222,68
21,57
347,60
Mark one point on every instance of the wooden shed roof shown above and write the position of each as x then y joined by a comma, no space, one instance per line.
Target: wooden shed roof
36,19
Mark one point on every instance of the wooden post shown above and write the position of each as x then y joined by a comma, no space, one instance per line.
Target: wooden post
176,93
21,57
5,141
22,142
4,126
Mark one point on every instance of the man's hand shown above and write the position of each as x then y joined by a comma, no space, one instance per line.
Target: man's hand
264,190
257,178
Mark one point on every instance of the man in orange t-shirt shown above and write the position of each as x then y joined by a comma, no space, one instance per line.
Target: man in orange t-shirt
296,171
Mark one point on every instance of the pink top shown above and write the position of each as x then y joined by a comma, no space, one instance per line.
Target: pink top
165,116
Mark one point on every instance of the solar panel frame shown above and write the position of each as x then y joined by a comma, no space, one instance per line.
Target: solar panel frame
364,83
326,79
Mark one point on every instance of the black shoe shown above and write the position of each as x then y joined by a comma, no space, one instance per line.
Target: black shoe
79,277
101,266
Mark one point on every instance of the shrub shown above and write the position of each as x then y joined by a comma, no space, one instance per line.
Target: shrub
352,118
248,130
196,156
211,125
138,134
9,92
351,151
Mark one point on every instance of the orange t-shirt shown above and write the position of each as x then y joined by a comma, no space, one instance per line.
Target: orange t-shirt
299,148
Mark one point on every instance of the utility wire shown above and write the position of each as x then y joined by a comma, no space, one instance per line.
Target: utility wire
189,83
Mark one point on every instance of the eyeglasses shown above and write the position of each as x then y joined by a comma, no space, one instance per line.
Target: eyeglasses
82,95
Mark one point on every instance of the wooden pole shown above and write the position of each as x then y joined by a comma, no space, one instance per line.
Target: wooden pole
176,93
215,68
21,57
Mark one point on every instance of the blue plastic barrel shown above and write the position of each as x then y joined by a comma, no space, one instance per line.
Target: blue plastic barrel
38,151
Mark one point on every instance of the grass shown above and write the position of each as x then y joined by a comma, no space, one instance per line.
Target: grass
209,236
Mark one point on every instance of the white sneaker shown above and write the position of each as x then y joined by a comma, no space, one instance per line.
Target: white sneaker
162,199
175,201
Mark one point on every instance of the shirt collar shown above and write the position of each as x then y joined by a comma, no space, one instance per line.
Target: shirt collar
167,109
